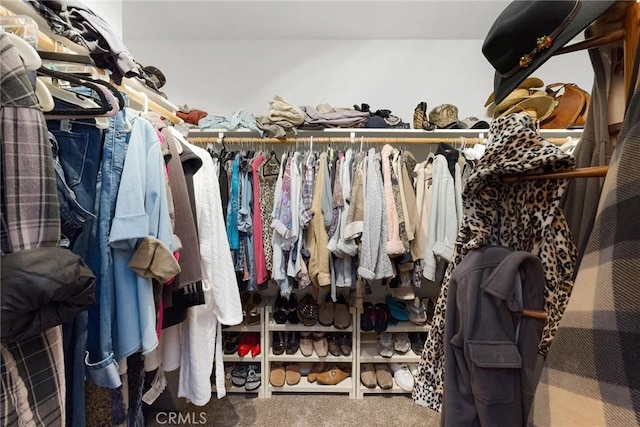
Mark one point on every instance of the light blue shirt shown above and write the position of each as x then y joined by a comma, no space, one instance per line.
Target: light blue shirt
142,210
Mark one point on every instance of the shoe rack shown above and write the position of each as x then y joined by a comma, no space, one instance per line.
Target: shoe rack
346,386
367,350
232,359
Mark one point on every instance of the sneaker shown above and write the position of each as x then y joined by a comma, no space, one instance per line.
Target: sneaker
401,342
403,376
385,344
254,377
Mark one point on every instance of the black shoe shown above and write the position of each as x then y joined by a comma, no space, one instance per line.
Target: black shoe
280,310
292,308
232,339
293,342
279,343
417,342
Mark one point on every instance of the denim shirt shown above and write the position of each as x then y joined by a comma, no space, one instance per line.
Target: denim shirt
142,210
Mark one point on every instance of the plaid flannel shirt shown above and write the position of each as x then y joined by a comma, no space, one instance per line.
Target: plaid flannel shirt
31,371
591,377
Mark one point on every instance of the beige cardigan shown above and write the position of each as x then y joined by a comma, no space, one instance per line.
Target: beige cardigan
317,237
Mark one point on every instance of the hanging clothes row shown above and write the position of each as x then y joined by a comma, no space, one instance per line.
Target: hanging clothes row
329,217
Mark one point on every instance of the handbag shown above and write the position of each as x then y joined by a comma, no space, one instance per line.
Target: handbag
571,106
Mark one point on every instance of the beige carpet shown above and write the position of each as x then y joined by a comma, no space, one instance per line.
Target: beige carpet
289,410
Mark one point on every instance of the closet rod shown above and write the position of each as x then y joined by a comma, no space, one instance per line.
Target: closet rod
536,314
590,172
347,140
49,44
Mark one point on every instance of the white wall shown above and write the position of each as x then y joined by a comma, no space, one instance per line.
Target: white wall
110,11
221,76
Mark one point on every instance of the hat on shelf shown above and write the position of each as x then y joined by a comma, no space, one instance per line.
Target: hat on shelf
527,33
475,123
525,85
538,107
445,116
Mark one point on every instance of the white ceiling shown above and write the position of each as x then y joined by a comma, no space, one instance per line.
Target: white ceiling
300,19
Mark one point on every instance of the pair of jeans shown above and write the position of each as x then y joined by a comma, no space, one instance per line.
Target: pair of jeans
101,366
78,150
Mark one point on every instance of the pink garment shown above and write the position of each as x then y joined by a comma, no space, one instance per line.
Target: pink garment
261,272
394,244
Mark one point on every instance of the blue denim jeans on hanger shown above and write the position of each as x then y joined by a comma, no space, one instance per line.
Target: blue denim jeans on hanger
101,366
79,147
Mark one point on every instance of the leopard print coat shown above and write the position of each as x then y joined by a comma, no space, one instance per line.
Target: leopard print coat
525,216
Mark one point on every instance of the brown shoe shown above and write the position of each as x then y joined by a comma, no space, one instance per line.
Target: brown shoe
341,317
368,375
320,344
384,376
316,369
326,314
292,373
306,344
333,376
277,376
334,345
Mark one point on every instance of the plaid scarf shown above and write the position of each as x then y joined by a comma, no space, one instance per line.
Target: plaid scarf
592,373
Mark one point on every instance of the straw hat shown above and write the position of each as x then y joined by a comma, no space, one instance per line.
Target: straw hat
538,107
528,83
516,97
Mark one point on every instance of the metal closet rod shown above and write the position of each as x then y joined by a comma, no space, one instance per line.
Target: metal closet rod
347,140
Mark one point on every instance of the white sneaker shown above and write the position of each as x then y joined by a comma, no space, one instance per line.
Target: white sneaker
403,376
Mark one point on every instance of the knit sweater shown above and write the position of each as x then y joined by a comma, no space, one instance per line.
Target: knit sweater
374,261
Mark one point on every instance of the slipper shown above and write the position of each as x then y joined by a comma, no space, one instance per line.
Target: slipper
417,312
277,376
341,317
367,317
231,344
292,313
327,312
254,377
239,375
396,308
280,311
381,317
292,373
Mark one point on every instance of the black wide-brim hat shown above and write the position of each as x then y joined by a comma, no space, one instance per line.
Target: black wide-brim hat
527,33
